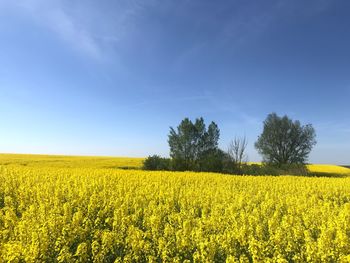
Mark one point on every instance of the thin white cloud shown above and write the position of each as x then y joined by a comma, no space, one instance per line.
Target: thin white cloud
248,22
172,100
51,14
253,20
84,26
79,37
92,27
333,126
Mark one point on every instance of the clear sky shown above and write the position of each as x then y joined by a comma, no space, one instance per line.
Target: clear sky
110,77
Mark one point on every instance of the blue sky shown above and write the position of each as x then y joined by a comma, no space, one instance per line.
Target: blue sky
110,77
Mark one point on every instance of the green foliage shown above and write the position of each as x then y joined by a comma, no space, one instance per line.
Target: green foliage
155,162
284,141
192,145
212,161
270,169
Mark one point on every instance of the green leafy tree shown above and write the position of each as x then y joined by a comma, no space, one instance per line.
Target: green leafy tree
284,141
192,143
213,161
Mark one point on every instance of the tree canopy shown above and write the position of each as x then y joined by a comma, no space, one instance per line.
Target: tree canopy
191,144
284,141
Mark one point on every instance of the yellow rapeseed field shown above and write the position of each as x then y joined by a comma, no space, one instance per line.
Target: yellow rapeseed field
327,168
82,209
40,161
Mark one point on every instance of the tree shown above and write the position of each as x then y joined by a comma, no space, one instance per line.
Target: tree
192,143
284,141
237,151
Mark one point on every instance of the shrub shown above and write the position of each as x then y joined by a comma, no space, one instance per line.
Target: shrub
269,169
155,162
212,161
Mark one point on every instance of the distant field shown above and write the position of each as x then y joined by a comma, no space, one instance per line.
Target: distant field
83,209
327,168
32,160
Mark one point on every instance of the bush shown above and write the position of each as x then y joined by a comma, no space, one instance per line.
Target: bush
231,167
269,169
212,161
155,163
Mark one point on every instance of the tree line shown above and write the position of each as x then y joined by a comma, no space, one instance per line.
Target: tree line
284,145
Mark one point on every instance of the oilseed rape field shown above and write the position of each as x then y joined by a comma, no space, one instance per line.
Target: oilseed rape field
101,209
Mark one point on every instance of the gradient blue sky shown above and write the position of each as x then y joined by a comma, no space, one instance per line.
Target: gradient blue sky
110,77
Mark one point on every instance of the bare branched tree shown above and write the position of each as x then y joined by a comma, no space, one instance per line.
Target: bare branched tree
237,151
